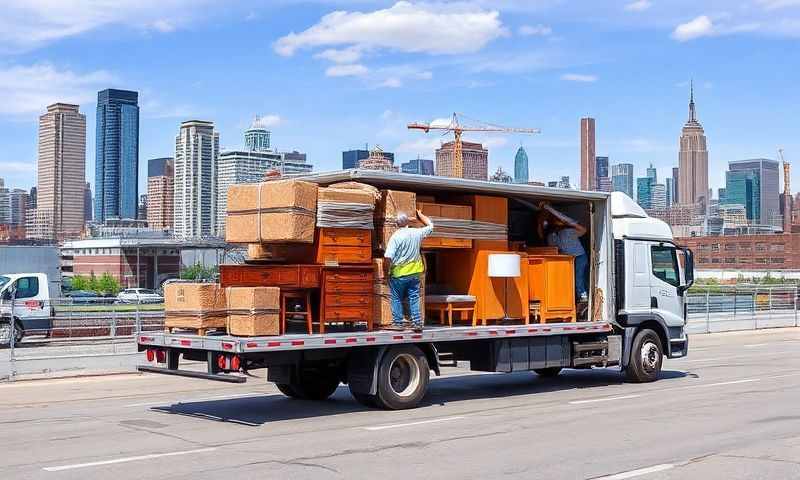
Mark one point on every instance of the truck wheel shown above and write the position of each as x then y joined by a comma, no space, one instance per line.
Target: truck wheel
5,333
402,378
548,372
287,389
646,357
365,399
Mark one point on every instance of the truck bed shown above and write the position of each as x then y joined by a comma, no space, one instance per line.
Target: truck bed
433,334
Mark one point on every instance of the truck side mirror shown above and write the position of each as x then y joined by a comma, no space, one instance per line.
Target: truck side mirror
689,267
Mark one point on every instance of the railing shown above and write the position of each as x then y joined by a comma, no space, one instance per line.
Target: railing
741,307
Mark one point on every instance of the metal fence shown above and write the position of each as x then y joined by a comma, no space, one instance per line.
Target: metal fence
92,336
741,307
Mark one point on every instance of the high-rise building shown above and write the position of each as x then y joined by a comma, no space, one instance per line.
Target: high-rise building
239,166
196,154
652,173
722,195
644,192
670,188
604,184
675,182
658,195
160,193
588,173
142,211
256,138
419,166
87,203
501,176
19,205
475,157
768,178
563,183
352,158
378,161
693,161
742,188
32,198
521,171
61,172
116,182
622,178
5,204
601,173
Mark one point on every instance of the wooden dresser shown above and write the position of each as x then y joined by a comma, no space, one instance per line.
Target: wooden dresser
285,276
552,283
346,295
344,246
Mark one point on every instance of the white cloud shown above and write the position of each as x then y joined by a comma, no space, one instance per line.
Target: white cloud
776,4
387,114
28,24
17,167
267,121
405,27
344,55
577,77
28,89
424,145
392,82
638,6
353,70
701,26
537,30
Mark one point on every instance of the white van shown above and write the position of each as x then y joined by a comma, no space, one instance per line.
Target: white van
32,309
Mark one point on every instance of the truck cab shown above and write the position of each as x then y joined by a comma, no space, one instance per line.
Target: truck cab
652,275
25,298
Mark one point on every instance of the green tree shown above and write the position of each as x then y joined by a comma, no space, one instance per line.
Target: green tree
107,284
198,272
80,282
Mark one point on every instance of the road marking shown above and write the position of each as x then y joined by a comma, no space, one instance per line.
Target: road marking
126,459
637,473
732,382
192,400
604,399
411,424
754,345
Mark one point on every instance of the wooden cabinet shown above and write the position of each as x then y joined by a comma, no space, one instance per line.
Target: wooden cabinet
441,210
551,282
286,276
346,295
344,246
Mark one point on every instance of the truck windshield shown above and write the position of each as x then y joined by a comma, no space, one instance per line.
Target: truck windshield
3,281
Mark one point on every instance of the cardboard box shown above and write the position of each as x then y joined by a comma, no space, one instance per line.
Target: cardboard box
391,203
345,195
254,311
279,211
194,305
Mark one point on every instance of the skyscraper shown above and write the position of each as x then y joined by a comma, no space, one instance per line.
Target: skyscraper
601,173
768,180
693,160
378,161
588,173
61,170
658,195
352,158
116,180
742,188
5,204
196,154
87,203
160,193
675,182
256,138
652,173
521,172
670,189
644,192
475,157
622,178
19,205
420,166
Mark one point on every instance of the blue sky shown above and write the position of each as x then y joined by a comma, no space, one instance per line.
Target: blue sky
334,75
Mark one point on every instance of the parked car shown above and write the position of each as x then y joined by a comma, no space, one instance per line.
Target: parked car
84,297
139,295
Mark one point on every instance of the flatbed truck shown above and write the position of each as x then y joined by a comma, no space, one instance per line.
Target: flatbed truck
637,269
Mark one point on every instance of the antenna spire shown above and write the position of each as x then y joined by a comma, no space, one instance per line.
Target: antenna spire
692,111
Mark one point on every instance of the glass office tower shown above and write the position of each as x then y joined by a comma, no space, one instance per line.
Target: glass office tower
117,155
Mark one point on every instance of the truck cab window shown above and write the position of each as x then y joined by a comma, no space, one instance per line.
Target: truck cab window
665,264
27,287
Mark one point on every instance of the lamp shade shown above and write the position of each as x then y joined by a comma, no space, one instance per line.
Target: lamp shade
504,265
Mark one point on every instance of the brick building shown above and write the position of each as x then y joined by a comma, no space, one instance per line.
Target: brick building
474,156
745,252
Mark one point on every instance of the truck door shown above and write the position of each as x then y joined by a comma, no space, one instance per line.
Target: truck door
30,304
664,284
637,261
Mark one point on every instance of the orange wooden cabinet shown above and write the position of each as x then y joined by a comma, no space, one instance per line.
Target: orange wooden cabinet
493,293
441,210
347,296
551,282
344,246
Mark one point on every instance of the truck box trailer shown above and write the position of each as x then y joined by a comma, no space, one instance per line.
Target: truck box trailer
635,317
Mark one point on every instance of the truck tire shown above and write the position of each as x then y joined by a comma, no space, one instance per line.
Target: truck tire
5,333
287,389
403,378
311,385
365,399
646,357
548,372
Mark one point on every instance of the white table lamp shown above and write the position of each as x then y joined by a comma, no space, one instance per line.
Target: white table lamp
505,266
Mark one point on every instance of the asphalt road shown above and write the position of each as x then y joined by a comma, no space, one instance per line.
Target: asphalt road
729,411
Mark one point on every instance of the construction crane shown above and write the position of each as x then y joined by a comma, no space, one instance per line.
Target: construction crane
787,195
459,128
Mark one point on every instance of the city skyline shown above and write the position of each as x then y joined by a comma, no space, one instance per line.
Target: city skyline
341,107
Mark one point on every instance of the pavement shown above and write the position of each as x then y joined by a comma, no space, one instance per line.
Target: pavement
728,411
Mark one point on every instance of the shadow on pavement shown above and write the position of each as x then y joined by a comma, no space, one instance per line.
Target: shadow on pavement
260,410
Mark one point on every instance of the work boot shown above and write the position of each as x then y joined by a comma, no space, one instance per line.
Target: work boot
417,327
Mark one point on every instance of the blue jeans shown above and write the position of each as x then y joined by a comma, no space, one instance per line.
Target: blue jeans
581,264
402,288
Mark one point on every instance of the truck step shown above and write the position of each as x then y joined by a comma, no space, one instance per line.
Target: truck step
589,353
447,359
